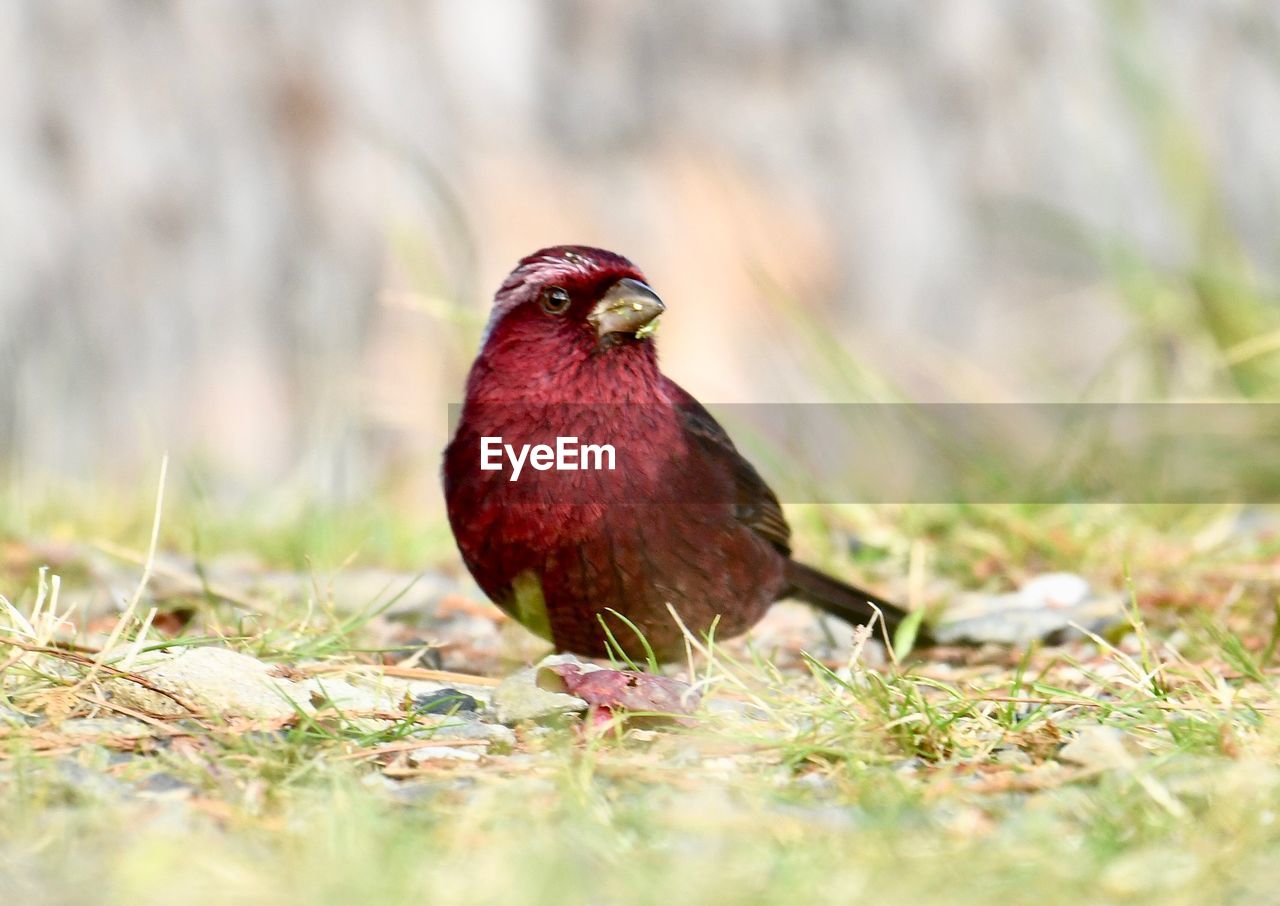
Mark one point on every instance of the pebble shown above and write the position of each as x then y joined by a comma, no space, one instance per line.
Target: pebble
1100,747
461,728
125,727
1012,755
164,786
89,783
444,701
229,683
1045,608
519,698
442,753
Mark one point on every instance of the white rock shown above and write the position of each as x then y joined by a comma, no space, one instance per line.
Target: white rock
559,660
222,681
1100,748
396,690
520,698
237,685
1055,590
344,695
442,753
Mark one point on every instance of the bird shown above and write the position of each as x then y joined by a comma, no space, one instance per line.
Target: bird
593,558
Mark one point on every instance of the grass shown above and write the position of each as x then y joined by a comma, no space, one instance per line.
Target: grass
614,840
926,781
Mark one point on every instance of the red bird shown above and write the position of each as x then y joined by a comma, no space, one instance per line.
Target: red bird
681,518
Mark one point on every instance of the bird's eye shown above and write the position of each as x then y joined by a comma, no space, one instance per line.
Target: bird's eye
555,300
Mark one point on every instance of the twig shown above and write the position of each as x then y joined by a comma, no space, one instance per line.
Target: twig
84,661
397,747
141,716
418,673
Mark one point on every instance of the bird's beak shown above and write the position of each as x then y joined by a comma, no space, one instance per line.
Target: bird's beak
628,307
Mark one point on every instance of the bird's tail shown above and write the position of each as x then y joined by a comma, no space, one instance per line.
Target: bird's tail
845,601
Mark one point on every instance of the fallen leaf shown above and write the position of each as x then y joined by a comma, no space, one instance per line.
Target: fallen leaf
627,691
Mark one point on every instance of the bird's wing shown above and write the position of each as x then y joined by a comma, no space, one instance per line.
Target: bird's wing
755,504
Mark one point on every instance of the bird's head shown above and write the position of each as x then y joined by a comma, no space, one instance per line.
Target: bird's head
572,303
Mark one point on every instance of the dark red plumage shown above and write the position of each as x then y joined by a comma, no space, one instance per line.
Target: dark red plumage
681,519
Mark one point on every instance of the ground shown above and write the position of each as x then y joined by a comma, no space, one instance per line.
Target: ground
1135,764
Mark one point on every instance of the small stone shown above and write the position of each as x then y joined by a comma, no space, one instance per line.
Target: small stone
330,692
1047,607
442,753
408,793
88,783
469,729
162,785
231,684
399,691
520,698
444,701
563,660
125,727
1100,748
1012,755
225,682
1055,590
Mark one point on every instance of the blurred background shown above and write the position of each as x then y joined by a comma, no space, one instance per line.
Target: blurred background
263,237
